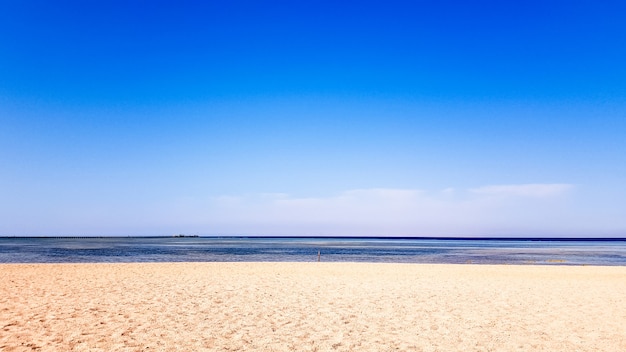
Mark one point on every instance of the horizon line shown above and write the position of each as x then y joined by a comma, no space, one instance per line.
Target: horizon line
507,238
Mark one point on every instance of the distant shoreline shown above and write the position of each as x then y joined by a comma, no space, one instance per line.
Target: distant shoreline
455,238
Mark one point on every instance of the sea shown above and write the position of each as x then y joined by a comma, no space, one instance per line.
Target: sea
531,251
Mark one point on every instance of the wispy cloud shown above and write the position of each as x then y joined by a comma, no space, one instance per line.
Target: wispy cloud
387,211
536,190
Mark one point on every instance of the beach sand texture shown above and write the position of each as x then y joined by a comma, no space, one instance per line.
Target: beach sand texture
311,307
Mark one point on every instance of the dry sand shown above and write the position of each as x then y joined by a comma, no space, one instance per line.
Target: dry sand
311,307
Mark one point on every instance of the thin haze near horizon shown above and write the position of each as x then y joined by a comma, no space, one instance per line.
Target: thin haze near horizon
395,118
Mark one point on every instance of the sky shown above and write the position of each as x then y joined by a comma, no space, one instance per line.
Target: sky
389,118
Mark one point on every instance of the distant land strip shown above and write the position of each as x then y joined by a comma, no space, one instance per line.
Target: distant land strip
456,238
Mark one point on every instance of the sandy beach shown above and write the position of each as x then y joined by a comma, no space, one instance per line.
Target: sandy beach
311,307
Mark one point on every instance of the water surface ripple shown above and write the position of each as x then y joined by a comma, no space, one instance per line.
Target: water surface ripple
212,249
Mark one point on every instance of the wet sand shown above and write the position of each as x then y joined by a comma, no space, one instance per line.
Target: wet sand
311,307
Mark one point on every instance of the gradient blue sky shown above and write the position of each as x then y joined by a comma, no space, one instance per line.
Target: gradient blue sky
313,118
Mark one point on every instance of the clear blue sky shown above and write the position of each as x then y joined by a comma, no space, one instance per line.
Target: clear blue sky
313,118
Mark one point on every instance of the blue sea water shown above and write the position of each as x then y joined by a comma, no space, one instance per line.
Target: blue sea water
234,249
